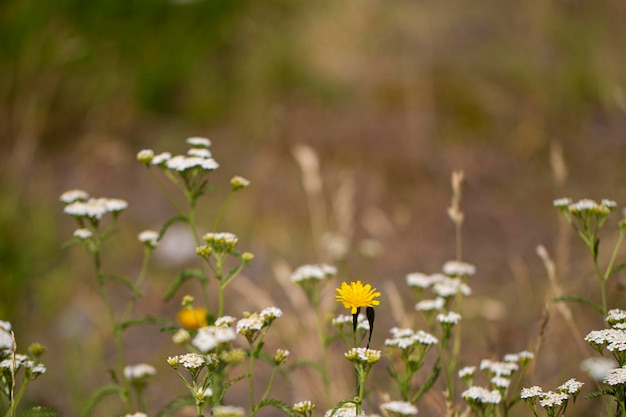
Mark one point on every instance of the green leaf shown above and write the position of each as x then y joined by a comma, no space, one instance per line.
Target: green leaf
581,300
72,242
175,405
617,268
181,278
144,320
428,383
99,395
600,393
233,381
38,412
124,280
277,404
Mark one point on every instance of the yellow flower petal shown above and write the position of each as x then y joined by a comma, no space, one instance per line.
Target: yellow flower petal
355,295
192,318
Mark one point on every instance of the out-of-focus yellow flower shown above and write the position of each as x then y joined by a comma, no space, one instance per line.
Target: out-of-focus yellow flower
192,317
357,295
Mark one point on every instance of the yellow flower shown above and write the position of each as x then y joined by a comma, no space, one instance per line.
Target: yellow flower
357,295
192,317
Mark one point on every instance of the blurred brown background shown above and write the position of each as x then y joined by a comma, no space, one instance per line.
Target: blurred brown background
528,98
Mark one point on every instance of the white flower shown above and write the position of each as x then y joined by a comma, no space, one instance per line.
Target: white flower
552,399
181,337
137,414
458,269
450,287
346,410
313,272
192,361
114,204
145,156
532,392
5,325
449,318
562,202
363,355
616,376
6,341
430,305
500,382
199,142
303,407
73,195
228,411
208,338
400,408
481,395
183,163
149,237
225,321
38,369
249,325
200,152
268,314
93,208
139,371
496,368
204,393
598,368
571,386
467,371
83,234
161,158
615,316
417,279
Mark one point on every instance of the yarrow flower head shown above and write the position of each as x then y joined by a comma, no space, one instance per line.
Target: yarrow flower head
150,238
616,376
356,295
223,242
406,339
553,399
318,272
237,183
458,269
481,396
362,355
139,372
198,142
571,386
83,234
303,407
210,337
71,196
532,392
228,411
399,408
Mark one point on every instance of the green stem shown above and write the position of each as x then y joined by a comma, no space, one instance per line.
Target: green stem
269,383
196,238
321,334
251,380
166,191
223,210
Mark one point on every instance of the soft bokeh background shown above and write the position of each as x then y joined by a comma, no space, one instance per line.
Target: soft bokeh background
528,98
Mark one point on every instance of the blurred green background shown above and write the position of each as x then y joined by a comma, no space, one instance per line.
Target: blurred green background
528,98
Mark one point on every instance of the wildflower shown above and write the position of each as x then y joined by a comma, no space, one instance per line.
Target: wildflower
145,156
225,321
137,414
336,245
532,392
181,337
525,357
198,142
93,208
313,273
399,408
71,196
598,368
237,183
419,280
552,399
496,368
616,376
430,305
192,317
450,287
6,340
83,234
161,158
450,318
346,410
281,356
150,238
233,356
250,326
303,407
363,355
500,382
200,153
181,163
357,295
204,393
114,205
221,242
458,269
615,316
269,314
407,338
173,361
191,361
139,372
571,386
480,396
467,372
208,338
228,411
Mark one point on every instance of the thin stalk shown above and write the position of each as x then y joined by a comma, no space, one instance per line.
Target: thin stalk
269,383
166,191
223,210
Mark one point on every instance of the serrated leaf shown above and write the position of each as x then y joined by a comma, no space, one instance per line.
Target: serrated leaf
600,393
175,405
38,412
181,278
98,396
124,280
277,404
144,320
581,300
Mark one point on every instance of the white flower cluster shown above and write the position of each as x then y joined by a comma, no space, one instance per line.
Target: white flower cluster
551,399
615,316
190,361
303,407
20,361
467,372
480,395
149,238
616,376
497,368
431,305
139,371
79,204
343,319
198,157
407,338
313,273
363,355
221,241
612,339
6,340
399,408
228,411
458,269
450,318
346,410
586,206
210,337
